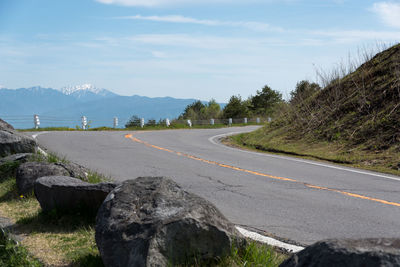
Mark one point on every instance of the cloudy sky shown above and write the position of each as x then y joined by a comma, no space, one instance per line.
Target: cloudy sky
186,48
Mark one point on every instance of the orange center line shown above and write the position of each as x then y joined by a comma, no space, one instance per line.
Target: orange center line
130,136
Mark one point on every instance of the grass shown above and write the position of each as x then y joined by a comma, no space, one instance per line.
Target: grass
254,254
54,238
276,141
14,255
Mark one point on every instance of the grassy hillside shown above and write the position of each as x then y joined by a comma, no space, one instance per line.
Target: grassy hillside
354,120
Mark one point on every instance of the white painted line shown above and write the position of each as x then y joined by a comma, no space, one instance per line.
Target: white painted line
213,138
268,240
40,150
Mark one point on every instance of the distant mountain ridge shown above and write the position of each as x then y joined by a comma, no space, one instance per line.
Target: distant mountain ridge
64,107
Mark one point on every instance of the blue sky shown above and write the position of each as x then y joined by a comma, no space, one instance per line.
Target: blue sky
186,48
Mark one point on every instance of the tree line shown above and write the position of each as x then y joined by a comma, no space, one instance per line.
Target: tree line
265,103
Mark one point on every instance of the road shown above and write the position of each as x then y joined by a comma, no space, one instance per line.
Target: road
293,199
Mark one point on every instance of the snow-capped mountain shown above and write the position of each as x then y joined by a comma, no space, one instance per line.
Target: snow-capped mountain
86,92
58,108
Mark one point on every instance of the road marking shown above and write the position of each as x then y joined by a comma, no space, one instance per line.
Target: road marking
130,136
213,138
40,150
268,240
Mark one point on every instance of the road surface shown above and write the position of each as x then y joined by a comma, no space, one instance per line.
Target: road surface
292,199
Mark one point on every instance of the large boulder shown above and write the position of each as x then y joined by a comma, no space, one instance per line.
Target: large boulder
5,126
12,142
152,221
29,172
70,194
348,252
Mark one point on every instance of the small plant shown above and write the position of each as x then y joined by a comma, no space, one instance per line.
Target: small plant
13,255
95,178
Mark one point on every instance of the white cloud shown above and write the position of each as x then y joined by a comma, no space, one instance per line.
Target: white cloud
252,25
155,3
389,12
162,3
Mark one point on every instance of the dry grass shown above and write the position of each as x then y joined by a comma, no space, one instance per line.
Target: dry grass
55,239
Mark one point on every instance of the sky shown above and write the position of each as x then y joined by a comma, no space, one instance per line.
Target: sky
199,49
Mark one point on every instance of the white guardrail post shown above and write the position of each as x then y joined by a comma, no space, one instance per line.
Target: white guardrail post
84,122
167,122
230,121
115,122
36,121
141,122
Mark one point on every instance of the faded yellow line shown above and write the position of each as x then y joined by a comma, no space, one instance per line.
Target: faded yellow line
130,136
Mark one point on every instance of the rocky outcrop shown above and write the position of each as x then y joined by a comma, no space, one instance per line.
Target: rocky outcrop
5,126
20,157
152,221
70,194
29,172
348,252
12,142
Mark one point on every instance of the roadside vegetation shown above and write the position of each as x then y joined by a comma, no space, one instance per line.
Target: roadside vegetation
354,119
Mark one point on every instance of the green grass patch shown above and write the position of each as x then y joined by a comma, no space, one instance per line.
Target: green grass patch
55,238
14,255
341,152
95,178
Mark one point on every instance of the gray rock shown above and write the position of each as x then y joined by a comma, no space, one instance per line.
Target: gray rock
20,157
5,126
75,170
12,142
29,172
151,221
70,194
348,252
9,164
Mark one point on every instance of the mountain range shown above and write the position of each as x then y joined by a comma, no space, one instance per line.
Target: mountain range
66,106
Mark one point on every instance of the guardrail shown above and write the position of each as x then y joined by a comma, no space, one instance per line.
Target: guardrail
27,122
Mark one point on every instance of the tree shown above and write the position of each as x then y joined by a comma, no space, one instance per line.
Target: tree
192,111
265,100
211,111
134,121
304,89
236,108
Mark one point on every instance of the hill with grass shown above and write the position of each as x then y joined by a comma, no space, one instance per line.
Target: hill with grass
354,120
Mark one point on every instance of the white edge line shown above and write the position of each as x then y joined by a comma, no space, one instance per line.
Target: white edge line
40,150
268,240
212,140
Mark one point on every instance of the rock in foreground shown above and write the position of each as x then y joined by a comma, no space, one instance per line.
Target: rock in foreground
151,221
29,172
12,142
70,194
348,252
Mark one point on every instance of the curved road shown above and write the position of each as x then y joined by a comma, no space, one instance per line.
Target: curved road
293,199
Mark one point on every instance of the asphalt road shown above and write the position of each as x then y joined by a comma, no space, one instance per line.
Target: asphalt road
289,198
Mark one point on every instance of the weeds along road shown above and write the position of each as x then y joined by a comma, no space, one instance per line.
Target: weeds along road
290,198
